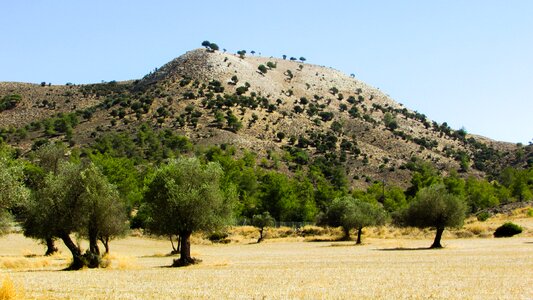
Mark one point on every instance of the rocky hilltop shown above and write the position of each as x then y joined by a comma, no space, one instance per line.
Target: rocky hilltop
286,111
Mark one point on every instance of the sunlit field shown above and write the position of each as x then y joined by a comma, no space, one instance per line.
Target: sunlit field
282,268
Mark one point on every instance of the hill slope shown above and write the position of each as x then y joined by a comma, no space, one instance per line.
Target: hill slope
290,113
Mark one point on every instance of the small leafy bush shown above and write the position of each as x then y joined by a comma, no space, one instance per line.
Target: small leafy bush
507,230
483,216
218,237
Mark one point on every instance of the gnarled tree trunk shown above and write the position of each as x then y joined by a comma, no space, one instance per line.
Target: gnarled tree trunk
93,255
77,259
185,251
438,236
50,247
105,242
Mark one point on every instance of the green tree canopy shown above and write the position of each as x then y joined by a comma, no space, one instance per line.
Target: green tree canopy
434,207
12,189
185,196
261,221
77,199
348,212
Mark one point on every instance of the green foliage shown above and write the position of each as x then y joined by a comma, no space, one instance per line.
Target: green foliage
233,122
145,145
241,53
9,102
261,221
519,183
77,199
121,172
507,230
436,208
348,212
530,212
262,69
424,175
390,121
12,189
483,216
185,196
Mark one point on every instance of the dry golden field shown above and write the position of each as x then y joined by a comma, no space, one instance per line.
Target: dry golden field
285,268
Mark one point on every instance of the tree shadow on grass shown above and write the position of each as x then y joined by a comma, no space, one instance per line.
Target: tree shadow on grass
407,249
321,240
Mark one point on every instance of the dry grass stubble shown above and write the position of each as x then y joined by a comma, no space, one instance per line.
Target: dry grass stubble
466,268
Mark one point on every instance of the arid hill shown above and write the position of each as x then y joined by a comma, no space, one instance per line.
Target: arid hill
286,111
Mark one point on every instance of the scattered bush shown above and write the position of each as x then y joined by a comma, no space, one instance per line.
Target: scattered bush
483,216
507,230
9,102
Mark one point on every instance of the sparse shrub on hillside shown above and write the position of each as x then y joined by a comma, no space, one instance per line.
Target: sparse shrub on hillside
390,121
241,53
9,102
507,230
233,122
302,59
210,46
271,65
262,69
280,135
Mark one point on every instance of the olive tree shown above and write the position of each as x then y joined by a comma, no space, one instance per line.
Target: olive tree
12,189
44,160
434,207
261,221
185,196
78,199
349,212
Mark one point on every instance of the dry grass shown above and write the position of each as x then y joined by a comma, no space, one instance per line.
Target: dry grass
391,263
381,268
9,290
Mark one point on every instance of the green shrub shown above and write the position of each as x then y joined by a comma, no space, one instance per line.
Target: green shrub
483,216
218,237
530,212
507,230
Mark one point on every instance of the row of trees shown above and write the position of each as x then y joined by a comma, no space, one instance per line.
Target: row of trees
92,194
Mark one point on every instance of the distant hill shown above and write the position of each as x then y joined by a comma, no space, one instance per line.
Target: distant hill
286,111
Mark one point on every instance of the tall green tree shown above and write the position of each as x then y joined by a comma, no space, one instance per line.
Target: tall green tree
434,207
12,189
185,196
45,160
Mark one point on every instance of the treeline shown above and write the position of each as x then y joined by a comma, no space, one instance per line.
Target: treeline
122,180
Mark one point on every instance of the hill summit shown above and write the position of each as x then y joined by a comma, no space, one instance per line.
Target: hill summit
287,112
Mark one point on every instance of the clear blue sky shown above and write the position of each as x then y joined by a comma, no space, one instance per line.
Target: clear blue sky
469,63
